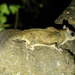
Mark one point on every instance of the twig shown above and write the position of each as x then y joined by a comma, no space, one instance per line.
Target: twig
16,20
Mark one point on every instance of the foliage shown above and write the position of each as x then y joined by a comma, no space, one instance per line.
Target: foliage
29,7
6,10
33,6
14,8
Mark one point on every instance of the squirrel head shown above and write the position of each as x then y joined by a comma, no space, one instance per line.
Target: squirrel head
69,34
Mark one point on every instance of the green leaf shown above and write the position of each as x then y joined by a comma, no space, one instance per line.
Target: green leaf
14,8
2,29
4,9
3,19
41,5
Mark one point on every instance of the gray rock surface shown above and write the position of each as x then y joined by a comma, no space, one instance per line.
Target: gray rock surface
16,59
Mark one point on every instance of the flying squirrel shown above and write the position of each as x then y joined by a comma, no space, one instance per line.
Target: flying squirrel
49,37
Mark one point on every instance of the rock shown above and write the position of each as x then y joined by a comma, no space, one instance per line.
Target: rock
67,14
16,59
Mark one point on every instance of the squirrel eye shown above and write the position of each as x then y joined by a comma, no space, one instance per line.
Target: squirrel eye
72,34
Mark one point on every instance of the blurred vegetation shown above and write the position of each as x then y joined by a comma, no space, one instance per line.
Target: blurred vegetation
23,14
11,8
4,11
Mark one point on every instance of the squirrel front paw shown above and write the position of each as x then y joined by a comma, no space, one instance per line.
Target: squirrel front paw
60,49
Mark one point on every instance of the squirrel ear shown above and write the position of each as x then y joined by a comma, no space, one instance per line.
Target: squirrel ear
64,27
67,29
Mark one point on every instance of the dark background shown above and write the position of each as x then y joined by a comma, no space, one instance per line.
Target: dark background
33,16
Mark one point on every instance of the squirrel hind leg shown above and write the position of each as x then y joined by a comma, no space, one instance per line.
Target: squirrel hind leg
29,47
